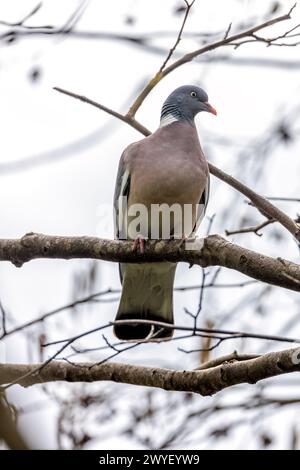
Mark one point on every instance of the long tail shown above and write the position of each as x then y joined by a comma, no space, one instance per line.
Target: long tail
147,294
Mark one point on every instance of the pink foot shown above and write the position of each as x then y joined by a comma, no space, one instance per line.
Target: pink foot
139,244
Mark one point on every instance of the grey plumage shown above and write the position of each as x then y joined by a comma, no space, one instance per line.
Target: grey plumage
167,167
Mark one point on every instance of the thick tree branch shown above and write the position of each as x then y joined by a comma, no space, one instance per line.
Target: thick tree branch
204,382
210,251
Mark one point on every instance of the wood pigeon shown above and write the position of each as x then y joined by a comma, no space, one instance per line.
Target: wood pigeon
166,168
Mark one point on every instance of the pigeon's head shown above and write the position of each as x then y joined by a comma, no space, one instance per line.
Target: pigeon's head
184,103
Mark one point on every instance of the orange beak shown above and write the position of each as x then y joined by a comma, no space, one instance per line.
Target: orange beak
210,109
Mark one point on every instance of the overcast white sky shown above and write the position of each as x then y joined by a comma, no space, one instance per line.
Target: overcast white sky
66,196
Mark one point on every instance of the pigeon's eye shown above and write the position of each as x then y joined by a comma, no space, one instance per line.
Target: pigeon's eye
193,94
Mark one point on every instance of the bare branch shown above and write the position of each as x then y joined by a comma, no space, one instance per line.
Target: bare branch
215,333
94,298
135,124
210,251
219,334
192,55
227,31
178,39
25,18
49,314
204,382
261,203
255,229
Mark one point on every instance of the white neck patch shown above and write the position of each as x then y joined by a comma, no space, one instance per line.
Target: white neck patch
168,119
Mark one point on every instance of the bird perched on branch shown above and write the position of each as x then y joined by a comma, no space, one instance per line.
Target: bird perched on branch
163,176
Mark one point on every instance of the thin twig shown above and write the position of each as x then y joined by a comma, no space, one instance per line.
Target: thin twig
135,124
171,51
214,332
259,201
285,199
93,298
192,55
57,310
25,18
227,31
255,229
